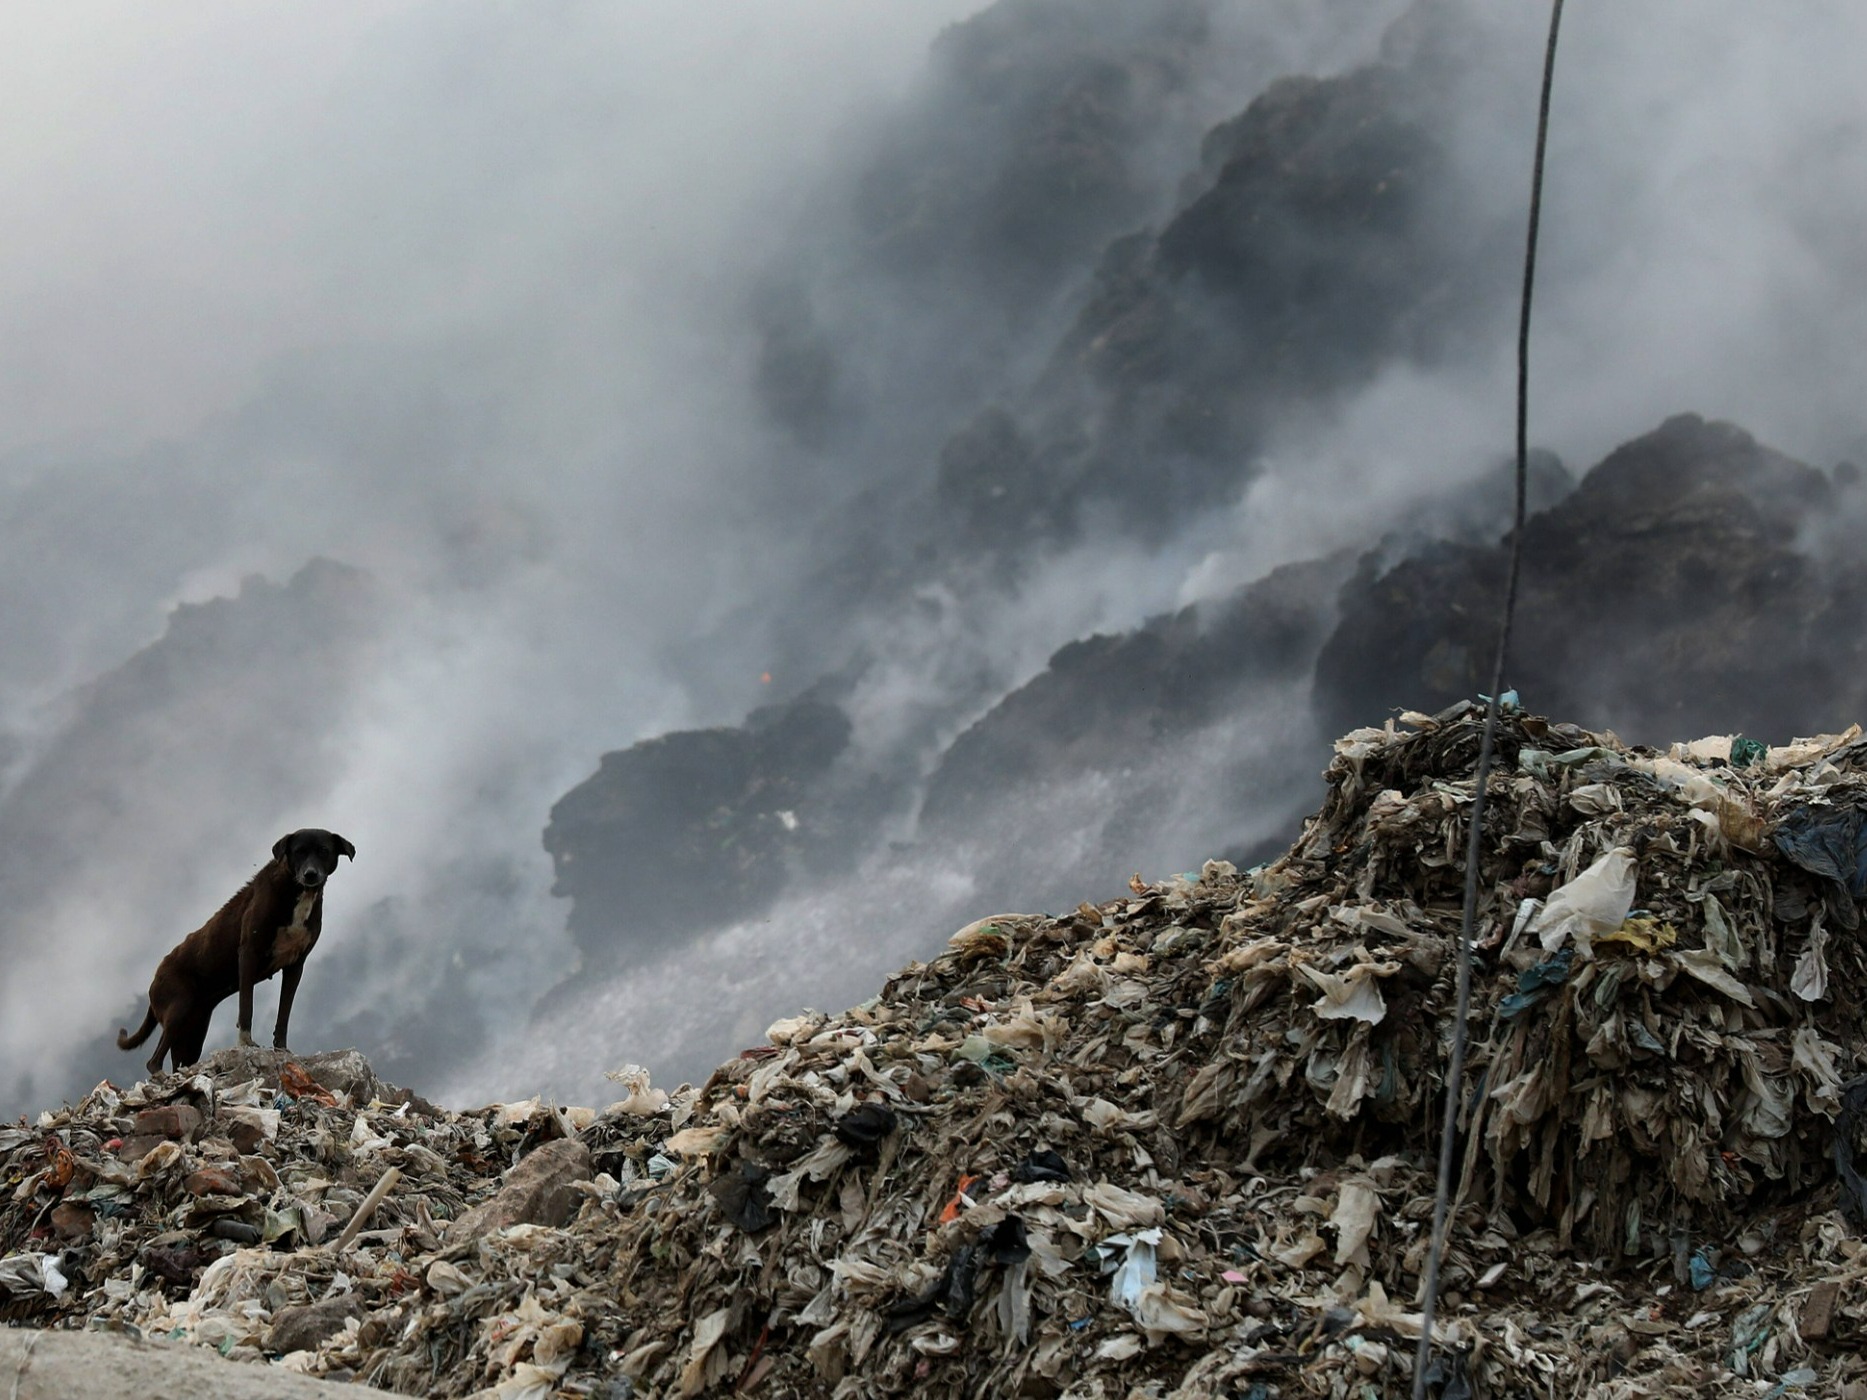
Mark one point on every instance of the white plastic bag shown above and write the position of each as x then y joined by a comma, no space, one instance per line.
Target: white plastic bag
1594,903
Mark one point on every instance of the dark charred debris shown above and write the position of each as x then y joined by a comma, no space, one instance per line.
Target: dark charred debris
1113,317
1302,248
1709,546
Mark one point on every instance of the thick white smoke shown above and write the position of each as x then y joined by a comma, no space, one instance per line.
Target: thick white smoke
464,296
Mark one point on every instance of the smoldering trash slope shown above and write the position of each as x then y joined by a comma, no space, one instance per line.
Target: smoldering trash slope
1179,1141
1105,313
541,369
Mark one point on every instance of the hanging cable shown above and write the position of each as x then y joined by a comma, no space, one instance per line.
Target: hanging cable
1455,1065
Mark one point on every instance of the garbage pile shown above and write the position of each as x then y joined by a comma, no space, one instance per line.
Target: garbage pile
1179,1144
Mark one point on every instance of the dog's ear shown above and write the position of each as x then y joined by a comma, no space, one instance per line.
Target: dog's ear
344,848
278,847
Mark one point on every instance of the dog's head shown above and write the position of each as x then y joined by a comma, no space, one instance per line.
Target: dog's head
311,855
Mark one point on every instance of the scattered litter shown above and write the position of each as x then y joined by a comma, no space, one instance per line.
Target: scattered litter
1177,1144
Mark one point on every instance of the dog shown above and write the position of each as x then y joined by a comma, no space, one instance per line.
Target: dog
269,926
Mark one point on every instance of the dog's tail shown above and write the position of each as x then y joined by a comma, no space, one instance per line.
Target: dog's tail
126,1041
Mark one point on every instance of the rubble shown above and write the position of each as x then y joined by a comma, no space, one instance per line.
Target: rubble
1178,1144
538,1191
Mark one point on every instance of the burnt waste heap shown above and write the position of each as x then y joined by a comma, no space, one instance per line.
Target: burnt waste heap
1175,1144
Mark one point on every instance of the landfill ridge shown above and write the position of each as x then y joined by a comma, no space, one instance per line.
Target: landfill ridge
1177,1144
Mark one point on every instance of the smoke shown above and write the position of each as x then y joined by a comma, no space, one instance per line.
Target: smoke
1699,192
834,945
451,294
619,348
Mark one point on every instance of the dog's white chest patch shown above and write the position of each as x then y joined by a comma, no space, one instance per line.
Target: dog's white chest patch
301,911
292,942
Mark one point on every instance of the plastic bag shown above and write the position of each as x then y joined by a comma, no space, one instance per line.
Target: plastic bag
1594,903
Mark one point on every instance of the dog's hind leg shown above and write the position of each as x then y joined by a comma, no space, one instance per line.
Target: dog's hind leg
190,1036
162,1048
250,972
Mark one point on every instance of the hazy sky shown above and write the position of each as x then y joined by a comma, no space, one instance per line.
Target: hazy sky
192,191
453,292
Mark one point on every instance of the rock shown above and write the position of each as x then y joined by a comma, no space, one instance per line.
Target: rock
134,1149
1818,1314
212,1181
174,1260
179,1122
536,1192
57,1365
245,1135
343,1072
72,1220
302,1328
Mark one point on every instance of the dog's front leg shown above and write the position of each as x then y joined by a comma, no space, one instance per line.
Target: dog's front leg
288,984
249,973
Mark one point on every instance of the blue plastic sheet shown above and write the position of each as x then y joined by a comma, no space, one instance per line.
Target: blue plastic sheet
1830,842
1853,1185
1536,983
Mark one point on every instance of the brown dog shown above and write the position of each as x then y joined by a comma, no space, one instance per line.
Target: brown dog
268,927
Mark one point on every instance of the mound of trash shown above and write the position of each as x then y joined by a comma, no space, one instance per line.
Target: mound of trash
1176,1144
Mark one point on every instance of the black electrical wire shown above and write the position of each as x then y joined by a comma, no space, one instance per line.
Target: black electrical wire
1455,1065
